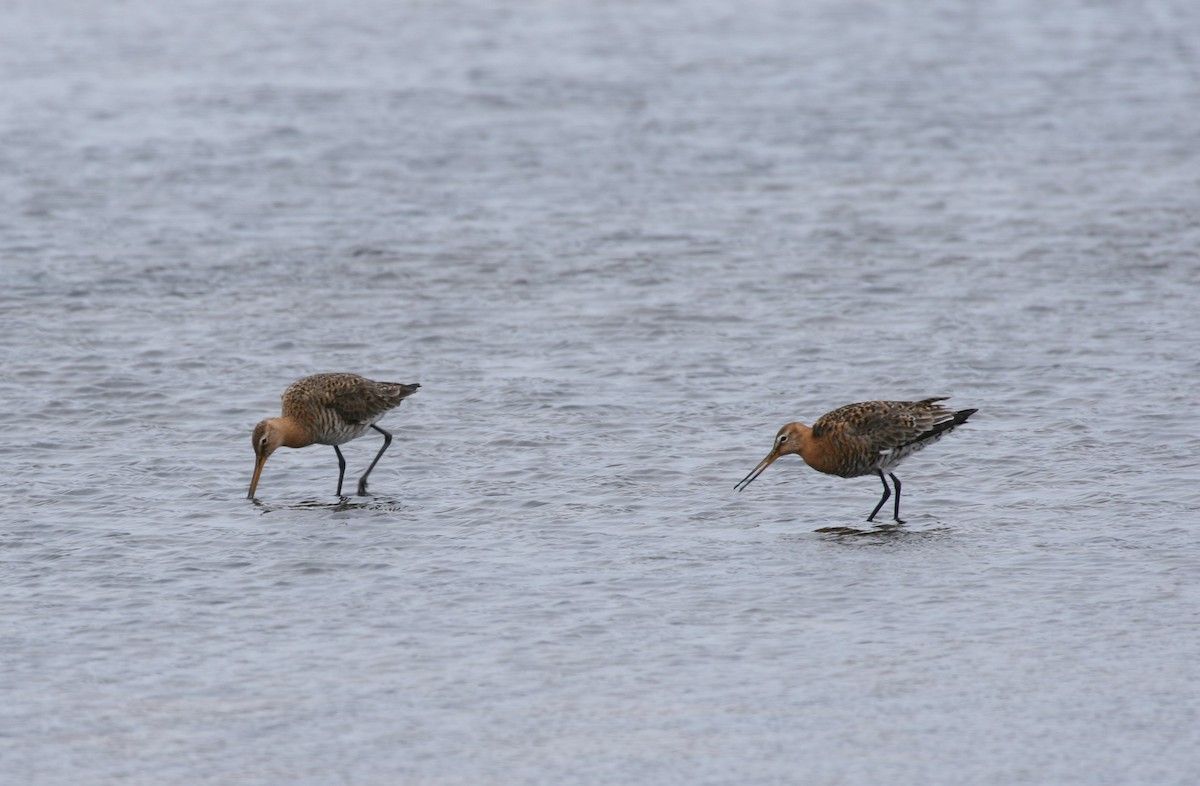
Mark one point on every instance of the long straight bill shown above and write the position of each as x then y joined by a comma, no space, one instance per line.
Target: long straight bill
754,473
259,461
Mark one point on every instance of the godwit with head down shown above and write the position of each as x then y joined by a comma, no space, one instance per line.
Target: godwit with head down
866,438
328,409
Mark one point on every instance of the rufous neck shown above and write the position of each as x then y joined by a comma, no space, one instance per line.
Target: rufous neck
292,433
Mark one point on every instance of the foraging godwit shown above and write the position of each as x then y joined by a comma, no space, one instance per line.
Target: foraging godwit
860,439
328,409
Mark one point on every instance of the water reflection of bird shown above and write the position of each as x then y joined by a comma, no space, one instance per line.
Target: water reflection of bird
328,409
861,439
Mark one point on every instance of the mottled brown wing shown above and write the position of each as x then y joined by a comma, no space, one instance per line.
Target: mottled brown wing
877,426
365,401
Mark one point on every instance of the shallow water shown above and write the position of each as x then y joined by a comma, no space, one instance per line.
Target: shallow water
618,247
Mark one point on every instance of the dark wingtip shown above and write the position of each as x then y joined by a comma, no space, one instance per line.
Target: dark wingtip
962,415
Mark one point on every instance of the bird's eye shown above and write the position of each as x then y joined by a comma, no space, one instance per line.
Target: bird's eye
782,438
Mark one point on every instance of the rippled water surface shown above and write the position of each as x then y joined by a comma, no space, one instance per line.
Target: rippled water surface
618,244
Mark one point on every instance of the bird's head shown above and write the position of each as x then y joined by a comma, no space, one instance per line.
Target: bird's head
266,439
789,439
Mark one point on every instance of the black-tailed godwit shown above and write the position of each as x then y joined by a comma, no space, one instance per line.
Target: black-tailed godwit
866,438
328,409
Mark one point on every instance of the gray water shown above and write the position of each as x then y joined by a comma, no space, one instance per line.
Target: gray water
618,244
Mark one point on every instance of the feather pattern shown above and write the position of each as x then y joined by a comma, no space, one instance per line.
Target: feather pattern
877,435
339,407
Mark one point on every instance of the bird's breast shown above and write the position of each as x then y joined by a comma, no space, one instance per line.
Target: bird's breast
842,457
328,428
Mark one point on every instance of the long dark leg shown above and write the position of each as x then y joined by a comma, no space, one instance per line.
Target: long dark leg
341,469
896,480
362,482
887,492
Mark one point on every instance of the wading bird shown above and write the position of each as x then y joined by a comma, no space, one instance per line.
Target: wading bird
328,409
862,439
